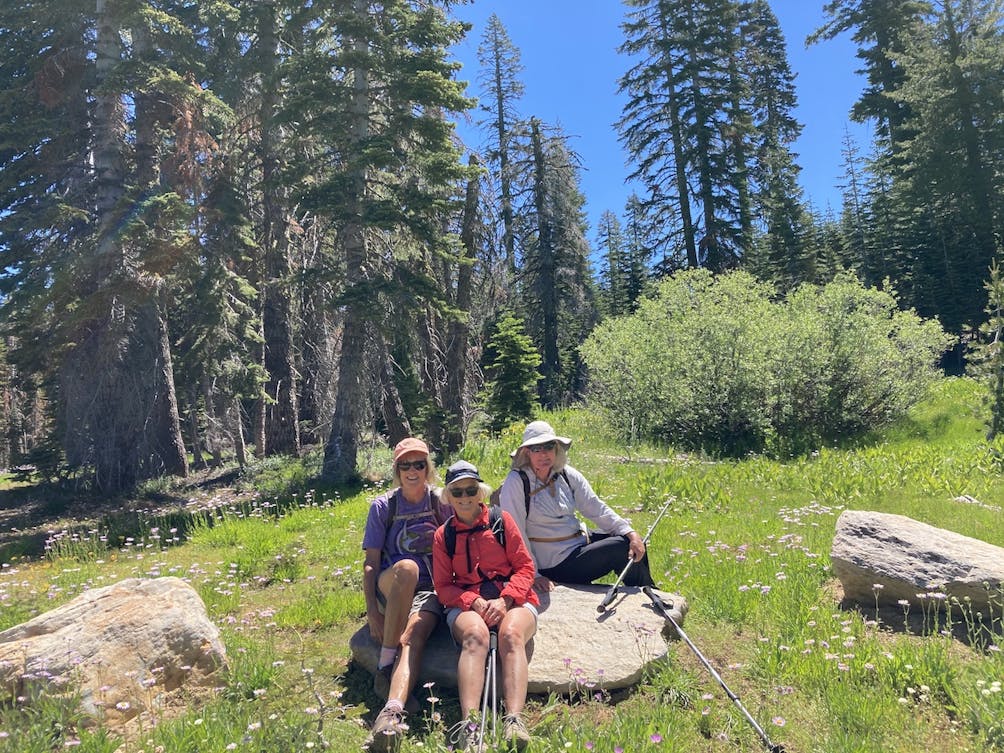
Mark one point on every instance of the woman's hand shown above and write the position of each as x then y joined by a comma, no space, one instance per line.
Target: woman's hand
492,611
542,584
636,546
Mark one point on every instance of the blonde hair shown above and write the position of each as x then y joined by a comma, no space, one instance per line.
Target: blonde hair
486,492
431,478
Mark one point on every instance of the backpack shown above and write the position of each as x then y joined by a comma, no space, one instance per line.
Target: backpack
495,525
392,508
526,490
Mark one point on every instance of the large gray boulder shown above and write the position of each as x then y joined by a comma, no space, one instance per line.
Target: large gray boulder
575,648
883,558
126,648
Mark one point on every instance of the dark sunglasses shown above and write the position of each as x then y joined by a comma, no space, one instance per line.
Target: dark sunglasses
407,465
470,491
546,447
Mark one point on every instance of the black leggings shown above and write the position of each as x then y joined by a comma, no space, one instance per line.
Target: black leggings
605,553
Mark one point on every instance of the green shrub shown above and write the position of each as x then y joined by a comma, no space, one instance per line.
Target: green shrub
715,364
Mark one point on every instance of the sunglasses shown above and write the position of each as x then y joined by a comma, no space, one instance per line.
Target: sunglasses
546,447
407,465
470,491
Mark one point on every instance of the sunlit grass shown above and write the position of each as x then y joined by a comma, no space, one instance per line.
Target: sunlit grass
747,543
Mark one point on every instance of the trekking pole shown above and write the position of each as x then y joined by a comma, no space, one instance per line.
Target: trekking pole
663,608
490,691
612,592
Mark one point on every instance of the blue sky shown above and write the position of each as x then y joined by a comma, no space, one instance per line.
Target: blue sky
571,68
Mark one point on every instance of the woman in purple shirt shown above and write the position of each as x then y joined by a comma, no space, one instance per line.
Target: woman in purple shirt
401,605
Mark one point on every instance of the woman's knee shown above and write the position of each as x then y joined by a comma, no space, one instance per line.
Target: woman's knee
405,572
516,632
474,639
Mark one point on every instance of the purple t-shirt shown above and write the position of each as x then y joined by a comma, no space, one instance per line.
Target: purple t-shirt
410,534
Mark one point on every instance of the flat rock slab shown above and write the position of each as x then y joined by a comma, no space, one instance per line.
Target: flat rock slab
916,562
575,645
124,647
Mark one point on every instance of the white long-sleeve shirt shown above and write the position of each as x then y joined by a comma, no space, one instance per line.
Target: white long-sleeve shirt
552,513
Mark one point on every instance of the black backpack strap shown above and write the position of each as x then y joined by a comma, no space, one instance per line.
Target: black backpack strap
526,487
391,511
564,475
526,490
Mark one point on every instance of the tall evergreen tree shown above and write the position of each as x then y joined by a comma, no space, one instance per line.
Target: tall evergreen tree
556,295
773,171
652,129
511,391
392,159
501,91
125,203
948,178
708,122
881,29
615,272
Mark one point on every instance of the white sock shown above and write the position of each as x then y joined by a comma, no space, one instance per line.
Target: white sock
387,657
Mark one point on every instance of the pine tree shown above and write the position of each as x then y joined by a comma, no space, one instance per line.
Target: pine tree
614,273
881,29
125,209
391,176
556,297
510,393
773,171
947,179
652,128
502,89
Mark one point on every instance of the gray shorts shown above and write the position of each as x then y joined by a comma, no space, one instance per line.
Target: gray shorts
424,601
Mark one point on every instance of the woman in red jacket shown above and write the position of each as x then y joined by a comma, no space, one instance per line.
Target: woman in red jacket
485,586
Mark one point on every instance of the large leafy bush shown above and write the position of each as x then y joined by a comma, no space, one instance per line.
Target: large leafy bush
715,363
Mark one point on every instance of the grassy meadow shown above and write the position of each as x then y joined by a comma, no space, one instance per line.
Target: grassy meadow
747,543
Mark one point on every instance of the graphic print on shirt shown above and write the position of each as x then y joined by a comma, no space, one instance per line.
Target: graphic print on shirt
411,535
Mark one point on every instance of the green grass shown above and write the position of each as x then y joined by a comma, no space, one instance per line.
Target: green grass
747,543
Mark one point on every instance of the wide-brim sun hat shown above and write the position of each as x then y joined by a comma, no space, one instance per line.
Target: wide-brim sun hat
410,444
540,432
460,470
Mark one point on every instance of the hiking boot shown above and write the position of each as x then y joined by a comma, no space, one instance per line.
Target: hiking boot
389,727
381,681
462,737
514,732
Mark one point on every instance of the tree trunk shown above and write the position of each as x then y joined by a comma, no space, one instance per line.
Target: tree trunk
237,421
545,262
341,450
398,426
282,433
458,338
164,429
679,154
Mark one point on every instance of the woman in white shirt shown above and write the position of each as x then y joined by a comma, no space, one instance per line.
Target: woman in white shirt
543,493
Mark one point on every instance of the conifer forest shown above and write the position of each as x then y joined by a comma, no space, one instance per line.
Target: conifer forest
237,228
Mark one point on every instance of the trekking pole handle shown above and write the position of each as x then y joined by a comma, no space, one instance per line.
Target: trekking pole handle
612,591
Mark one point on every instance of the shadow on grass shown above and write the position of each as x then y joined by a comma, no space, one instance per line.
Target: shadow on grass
31,514
977,634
